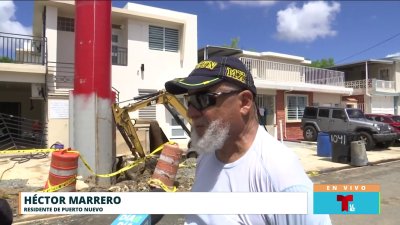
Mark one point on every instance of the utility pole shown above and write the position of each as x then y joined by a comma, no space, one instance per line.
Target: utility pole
91,127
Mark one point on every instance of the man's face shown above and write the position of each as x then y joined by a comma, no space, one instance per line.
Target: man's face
224,107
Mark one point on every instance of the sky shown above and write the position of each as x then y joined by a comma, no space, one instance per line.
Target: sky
347,31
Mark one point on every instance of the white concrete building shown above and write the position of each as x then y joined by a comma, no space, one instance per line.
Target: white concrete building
149,46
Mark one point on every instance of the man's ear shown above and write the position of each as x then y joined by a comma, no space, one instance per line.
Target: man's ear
246,102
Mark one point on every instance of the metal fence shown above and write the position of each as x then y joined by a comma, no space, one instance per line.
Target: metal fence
284,72
21,133
18,48
60,77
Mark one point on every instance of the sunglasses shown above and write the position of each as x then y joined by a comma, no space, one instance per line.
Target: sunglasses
200,101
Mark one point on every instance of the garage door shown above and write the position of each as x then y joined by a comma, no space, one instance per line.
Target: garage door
382,104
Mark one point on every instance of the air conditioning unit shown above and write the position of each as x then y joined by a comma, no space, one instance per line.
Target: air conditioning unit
37,91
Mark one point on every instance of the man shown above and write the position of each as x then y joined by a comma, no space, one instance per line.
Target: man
6,215
236,154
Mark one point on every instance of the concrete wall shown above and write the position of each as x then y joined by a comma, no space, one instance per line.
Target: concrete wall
324,99
51,33
22,77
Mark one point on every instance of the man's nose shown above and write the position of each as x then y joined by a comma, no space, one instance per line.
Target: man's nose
192,112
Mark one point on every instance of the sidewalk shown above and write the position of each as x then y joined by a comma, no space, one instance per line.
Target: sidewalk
307,152
34,173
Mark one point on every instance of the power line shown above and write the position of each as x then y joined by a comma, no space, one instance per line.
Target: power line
373,46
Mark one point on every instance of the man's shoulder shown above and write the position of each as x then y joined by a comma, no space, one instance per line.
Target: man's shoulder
268,146
281,164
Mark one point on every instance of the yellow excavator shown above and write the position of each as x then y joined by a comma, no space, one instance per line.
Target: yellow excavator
126,125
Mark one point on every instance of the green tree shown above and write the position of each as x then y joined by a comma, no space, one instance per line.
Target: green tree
323,63
234,43
5,59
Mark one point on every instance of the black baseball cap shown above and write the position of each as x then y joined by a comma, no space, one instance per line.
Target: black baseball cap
212,71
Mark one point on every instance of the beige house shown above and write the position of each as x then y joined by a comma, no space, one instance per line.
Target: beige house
376,84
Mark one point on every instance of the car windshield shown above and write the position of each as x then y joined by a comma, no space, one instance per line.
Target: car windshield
355,113
396,118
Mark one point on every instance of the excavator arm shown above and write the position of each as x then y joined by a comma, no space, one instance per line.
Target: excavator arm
126,125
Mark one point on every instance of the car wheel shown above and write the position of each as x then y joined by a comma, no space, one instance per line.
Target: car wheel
367,138
310,133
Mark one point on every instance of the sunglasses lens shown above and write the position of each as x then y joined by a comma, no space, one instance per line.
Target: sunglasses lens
205,100
200,101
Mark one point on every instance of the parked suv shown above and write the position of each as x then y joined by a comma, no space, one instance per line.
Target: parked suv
328,119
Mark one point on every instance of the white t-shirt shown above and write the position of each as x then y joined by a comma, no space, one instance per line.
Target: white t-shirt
268,166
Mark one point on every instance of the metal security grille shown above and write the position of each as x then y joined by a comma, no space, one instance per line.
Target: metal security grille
21,133
65,24
148,113
295,106
163,39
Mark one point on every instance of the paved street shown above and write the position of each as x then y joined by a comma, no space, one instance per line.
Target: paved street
386,174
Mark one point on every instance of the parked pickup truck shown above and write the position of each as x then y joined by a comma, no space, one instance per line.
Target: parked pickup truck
330,119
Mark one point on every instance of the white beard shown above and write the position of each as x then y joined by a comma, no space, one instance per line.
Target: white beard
213,139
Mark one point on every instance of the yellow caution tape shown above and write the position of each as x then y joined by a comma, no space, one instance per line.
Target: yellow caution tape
130,166
313,173
160,184
57,187
69,181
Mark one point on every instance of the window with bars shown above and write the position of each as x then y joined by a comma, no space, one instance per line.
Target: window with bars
163,39
65,24
295,105
149,112
114,38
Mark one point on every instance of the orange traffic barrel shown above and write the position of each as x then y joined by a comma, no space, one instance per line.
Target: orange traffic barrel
167,165
63,170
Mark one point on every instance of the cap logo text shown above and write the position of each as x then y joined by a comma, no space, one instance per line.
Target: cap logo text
206,64
236,74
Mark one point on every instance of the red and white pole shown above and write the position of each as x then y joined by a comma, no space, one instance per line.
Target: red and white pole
91,129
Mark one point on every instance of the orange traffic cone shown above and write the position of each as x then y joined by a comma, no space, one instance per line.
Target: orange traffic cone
167,165
63,171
